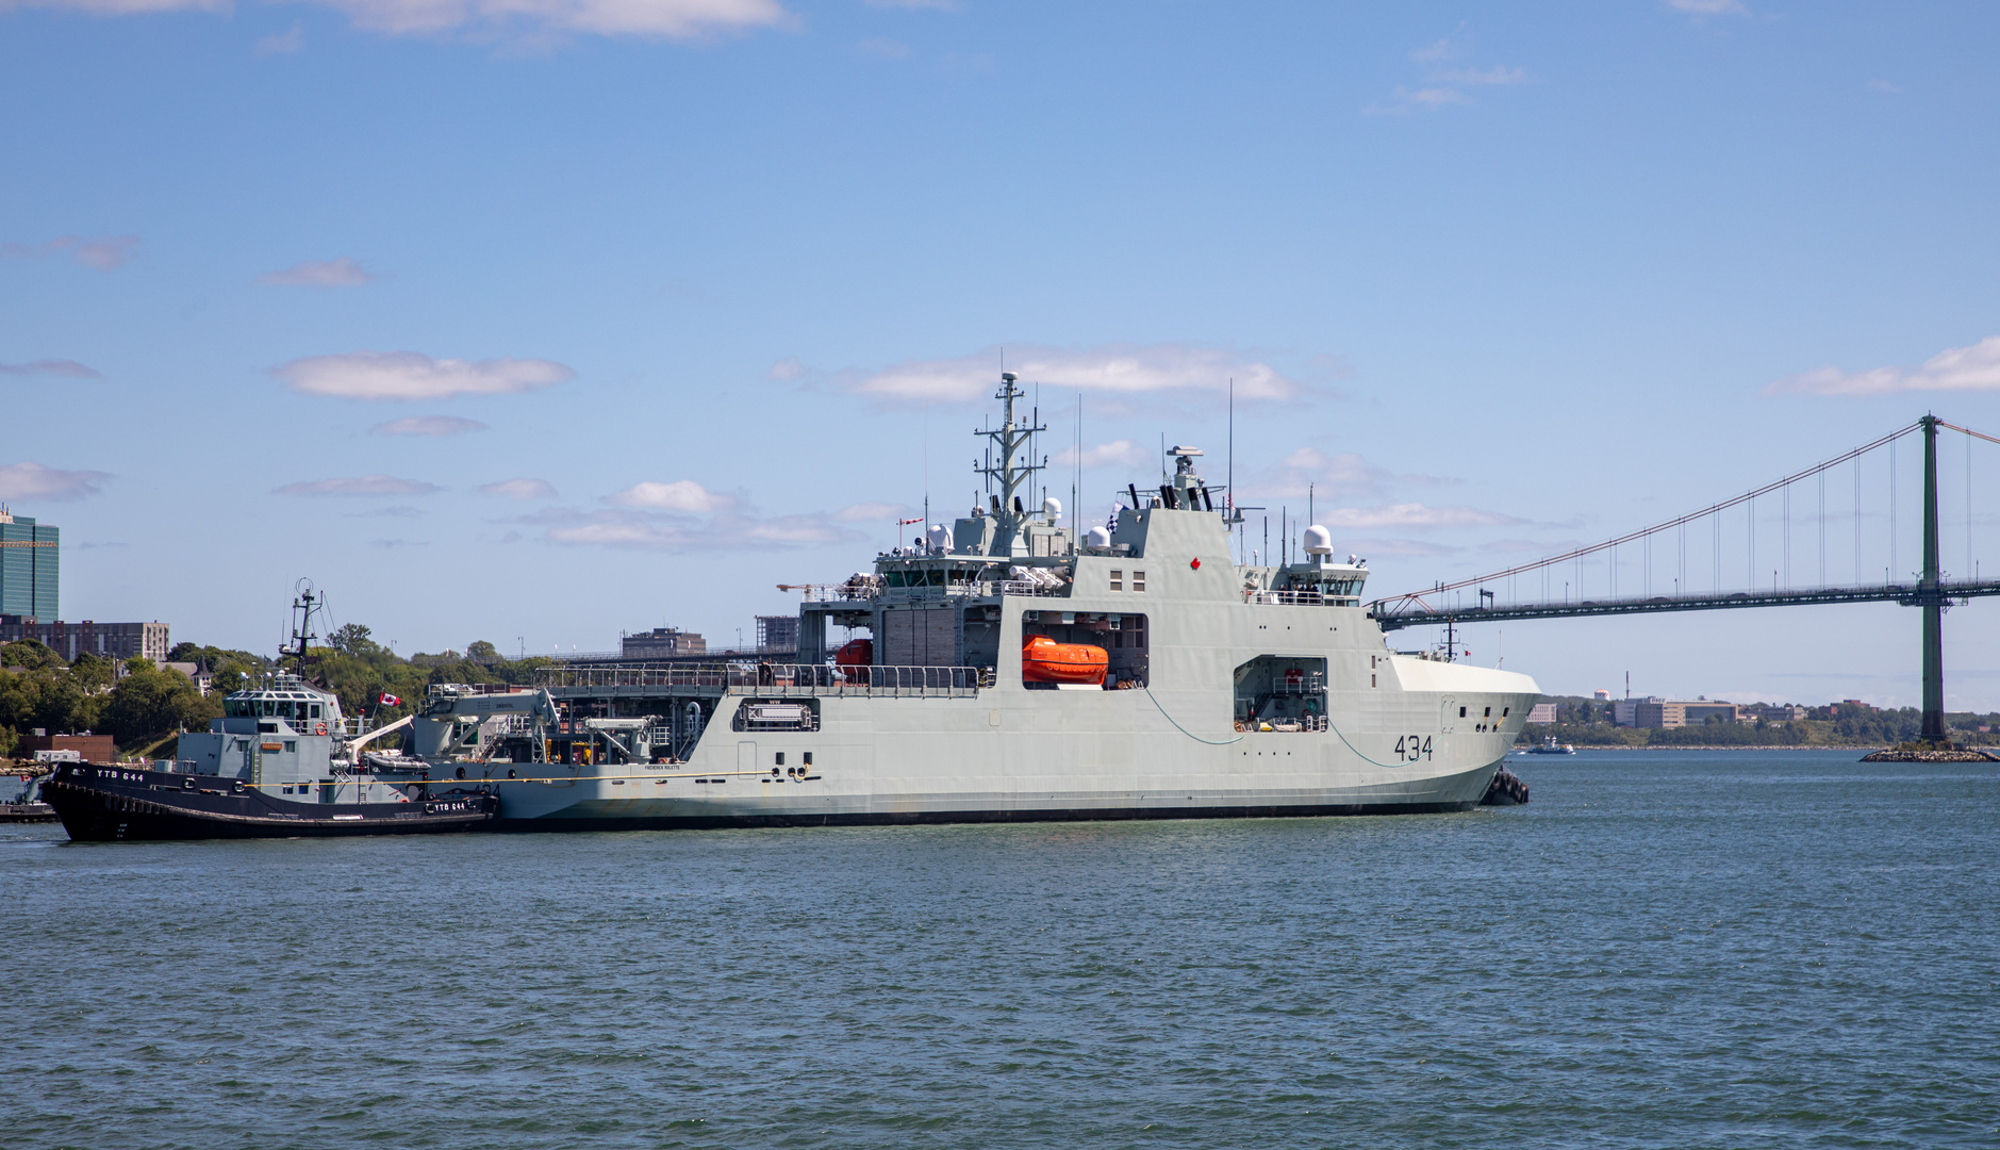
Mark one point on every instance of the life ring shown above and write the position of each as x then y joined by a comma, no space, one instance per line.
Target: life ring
319,729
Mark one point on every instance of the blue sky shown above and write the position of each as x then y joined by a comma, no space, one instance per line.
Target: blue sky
541,320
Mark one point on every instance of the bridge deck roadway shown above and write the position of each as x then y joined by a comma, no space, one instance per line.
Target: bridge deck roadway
1909,594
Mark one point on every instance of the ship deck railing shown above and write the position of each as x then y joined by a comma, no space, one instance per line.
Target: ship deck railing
772,680
980,589
1301,599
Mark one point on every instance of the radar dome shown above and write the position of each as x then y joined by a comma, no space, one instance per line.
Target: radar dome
1318,541
940,537
1099,537
1052,507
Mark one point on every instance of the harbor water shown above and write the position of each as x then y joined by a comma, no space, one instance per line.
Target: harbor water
1663,949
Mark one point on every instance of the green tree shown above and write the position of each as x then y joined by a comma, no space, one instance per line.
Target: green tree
353,639
93,672
147,704
29,654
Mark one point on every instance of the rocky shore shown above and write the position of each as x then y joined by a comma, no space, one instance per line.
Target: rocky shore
1907,754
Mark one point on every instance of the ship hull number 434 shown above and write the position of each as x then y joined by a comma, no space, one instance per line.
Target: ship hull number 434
1413,748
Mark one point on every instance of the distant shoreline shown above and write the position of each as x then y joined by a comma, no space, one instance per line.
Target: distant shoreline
1865,750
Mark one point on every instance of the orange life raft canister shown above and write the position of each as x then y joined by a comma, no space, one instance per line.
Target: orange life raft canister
1043,660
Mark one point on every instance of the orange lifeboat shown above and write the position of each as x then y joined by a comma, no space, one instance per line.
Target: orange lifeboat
858,654
1043,660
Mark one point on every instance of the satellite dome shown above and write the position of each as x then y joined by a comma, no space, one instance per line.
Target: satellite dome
1318,541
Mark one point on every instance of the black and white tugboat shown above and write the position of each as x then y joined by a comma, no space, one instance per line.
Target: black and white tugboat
282,762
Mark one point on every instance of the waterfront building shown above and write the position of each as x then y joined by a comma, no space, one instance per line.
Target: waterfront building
1667,714
777,632
30,562
115,641
663,643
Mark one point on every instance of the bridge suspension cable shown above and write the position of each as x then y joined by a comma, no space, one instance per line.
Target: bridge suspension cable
1418,601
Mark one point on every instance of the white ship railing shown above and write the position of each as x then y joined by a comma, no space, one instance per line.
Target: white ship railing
982,589
1300,599
775,680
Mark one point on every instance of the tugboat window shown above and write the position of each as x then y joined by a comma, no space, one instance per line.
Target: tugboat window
291,745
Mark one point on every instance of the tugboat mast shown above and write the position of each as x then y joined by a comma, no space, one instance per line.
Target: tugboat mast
302,612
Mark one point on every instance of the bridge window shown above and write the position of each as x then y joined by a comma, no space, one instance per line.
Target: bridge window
1138,581
1117,580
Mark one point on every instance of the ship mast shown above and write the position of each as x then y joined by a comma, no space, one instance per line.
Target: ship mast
302,613
1008,509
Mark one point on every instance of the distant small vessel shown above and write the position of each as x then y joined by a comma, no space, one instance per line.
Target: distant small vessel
1549,746
27,807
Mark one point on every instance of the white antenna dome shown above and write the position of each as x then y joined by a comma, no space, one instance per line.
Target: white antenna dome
1319,541
1099,537
940,537
1052,507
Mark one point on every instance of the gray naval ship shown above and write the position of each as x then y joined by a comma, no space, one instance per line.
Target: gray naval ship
1006,669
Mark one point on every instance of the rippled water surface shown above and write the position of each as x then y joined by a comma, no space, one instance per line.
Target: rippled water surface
1672,950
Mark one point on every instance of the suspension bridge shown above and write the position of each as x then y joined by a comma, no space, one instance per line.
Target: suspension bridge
1629,577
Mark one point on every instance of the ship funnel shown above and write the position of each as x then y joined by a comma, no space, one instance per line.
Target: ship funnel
1318,541
1052,507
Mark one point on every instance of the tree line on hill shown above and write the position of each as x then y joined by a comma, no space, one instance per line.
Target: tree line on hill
1588,722
140,704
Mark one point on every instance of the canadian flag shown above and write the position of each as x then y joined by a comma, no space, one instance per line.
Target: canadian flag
389,700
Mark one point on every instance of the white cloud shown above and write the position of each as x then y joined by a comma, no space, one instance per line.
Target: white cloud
931,5
282,43
1709,7
342,272
122,7
657,19
1441,89
1435,51
883,49
1493,75
409,375
682,495
871,512
104,253
434,425
792,531
518,489
1345,475
1411,516
1117,453
647,531
34,481
1974,368
1118,369
662,19
68,367
788,368
360,485
1397,548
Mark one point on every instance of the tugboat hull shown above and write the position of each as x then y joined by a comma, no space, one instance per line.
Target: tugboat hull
117,804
